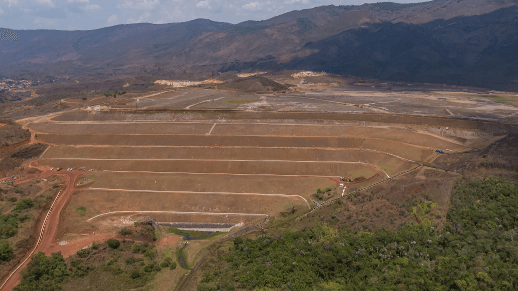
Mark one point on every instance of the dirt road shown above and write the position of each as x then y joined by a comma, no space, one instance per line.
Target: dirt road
49,226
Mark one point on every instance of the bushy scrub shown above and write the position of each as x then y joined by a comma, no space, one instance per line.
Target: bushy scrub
113,243
24,204
475,251
44,273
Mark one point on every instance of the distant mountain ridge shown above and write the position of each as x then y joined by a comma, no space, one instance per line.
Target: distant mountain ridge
464,42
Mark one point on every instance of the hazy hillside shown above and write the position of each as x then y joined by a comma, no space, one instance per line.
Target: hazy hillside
469,42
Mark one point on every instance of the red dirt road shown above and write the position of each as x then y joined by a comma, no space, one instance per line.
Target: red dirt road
76,244
47,242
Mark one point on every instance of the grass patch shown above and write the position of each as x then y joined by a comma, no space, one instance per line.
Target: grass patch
181,257
81,210
192,234
499,99
488,163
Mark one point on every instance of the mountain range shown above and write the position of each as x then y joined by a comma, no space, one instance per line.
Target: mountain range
459,42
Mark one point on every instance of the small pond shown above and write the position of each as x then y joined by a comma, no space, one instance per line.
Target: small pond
188,237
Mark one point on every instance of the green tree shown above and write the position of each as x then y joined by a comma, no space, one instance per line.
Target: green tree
24,204
44,273
6,252
113,243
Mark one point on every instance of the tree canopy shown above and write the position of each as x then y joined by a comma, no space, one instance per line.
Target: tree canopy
475,251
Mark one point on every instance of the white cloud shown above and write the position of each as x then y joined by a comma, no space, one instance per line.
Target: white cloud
296,1
252,6
203,4
1,11
142,18
140,4
82,1
112,20
91,7
46,2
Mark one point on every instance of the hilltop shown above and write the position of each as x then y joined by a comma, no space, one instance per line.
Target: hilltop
435,42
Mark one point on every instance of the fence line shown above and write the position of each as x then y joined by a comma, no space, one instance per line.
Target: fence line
37,243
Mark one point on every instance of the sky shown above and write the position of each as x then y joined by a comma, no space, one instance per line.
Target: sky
93,14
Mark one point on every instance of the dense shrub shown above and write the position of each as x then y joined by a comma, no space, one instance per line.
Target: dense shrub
474,251
24,204
6,252
81,210
135,249
136,275
44,273
149,253
8,225
113,243
125,231
83,253
172,266
130,260
166,262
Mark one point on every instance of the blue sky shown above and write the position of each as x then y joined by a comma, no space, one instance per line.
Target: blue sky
92,14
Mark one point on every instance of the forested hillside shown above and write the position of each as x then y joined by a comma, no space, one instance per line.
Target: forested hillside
475,251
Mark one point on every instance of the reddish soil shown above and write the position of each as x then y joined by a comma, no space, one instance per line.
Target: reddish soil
394,119
78,243
143,128
98,202
6,149
209,183
122,128
232,153
250,144
51,227
409,151
282,168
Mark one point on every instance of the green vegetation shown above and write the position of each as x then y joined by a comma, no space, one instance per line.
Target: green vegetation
44,273
81,210
104,268
126,231
191,233
113,243
24,204
83,253
475,251
6,252
9,222
321,193
498,98
114,93
181,257
422,211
